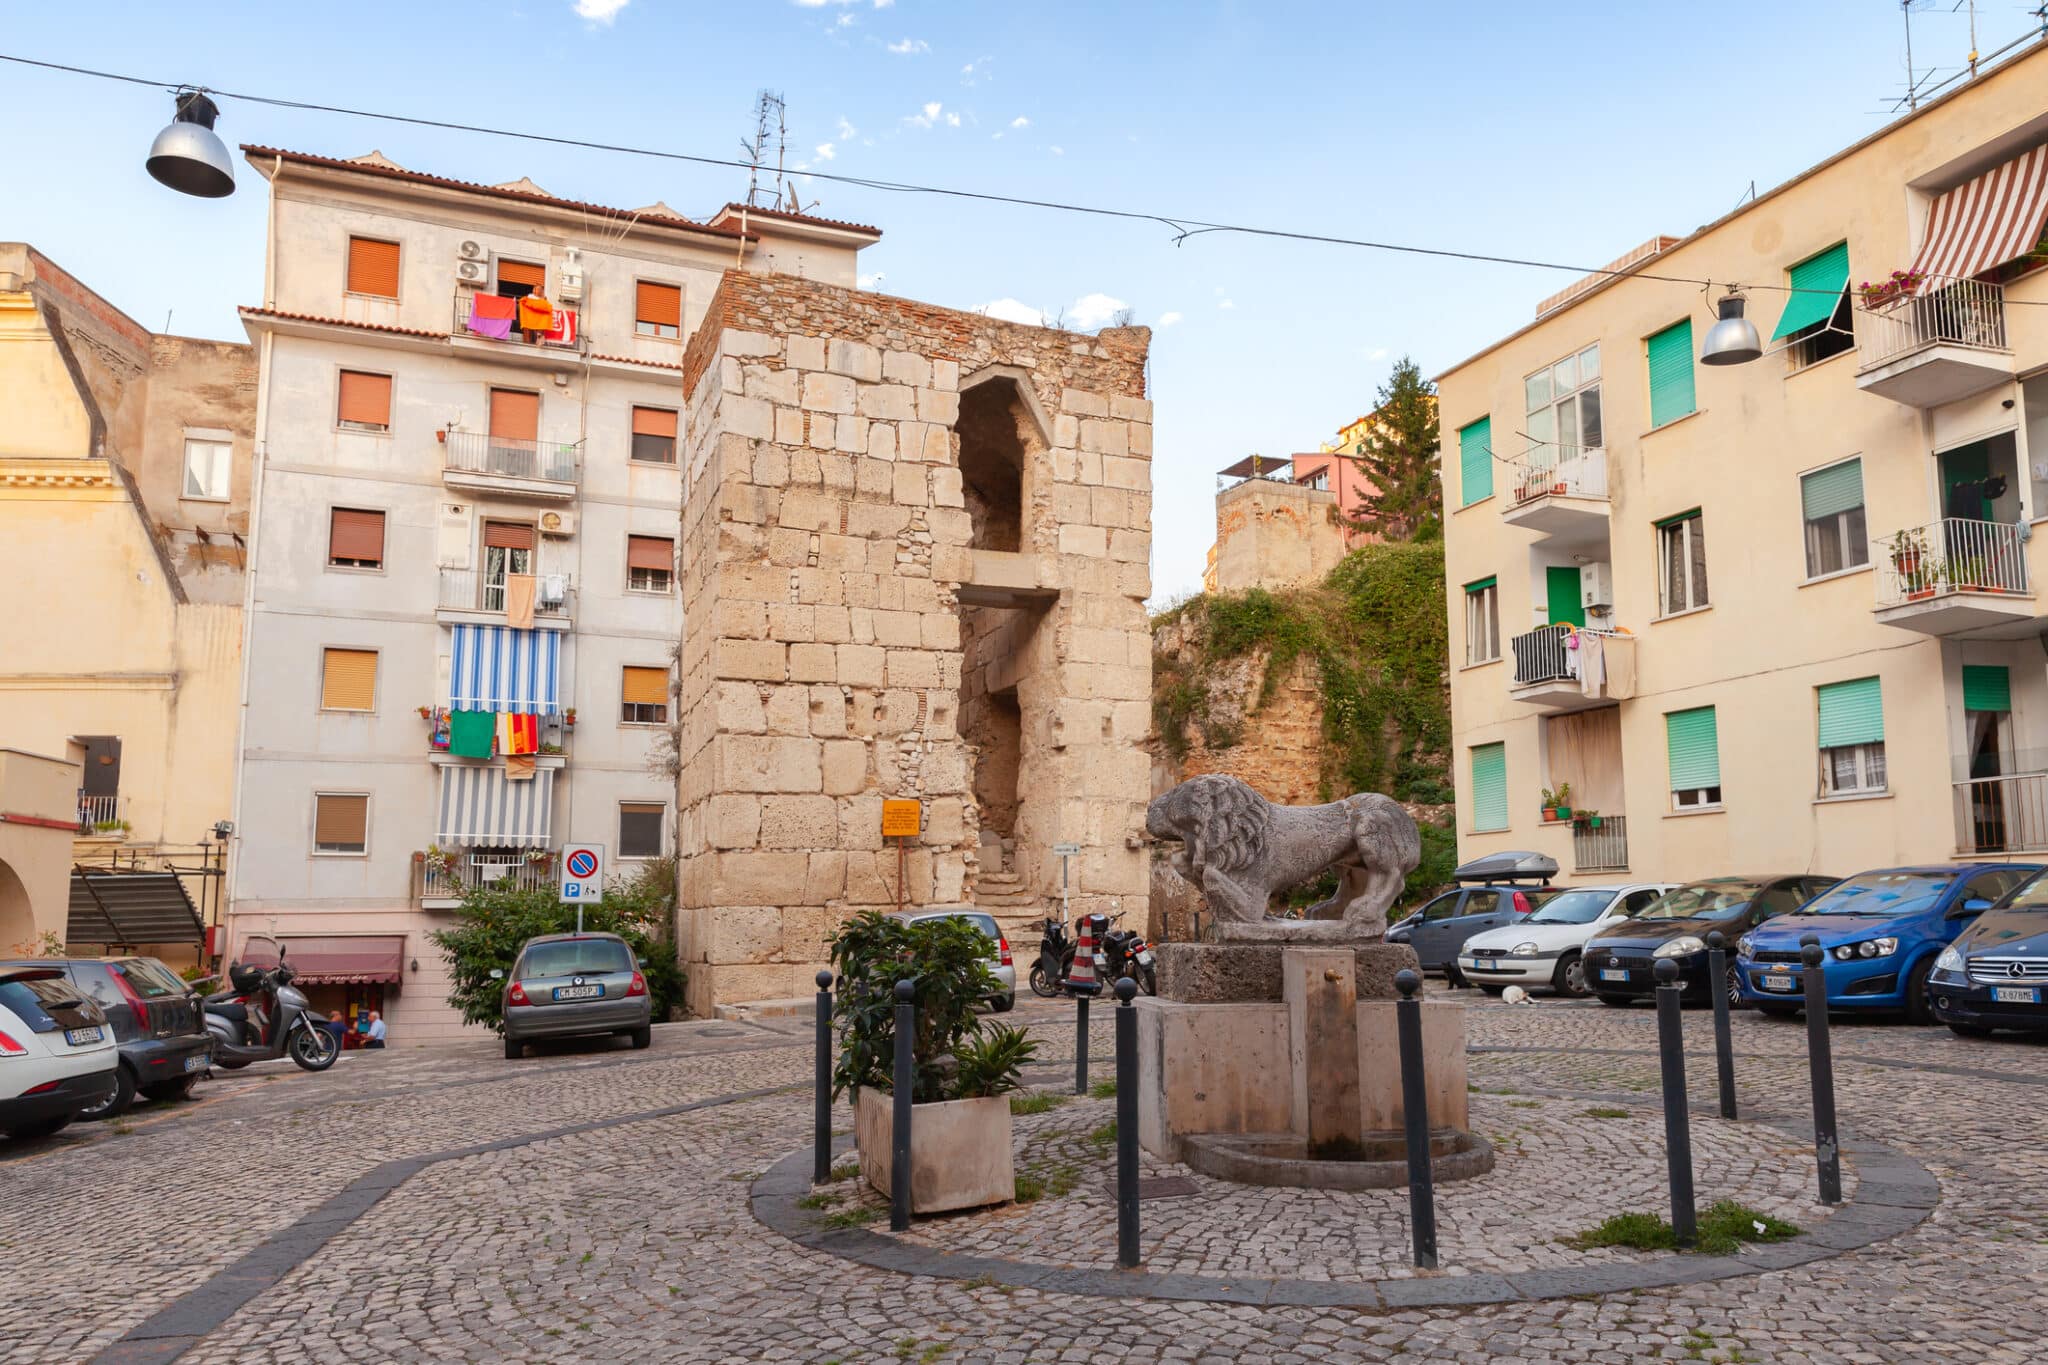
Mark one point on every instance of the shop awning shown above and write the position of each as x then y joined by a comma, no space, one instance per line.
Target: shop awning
497,668
1985,222
345,961
109,906
1817,285
481,808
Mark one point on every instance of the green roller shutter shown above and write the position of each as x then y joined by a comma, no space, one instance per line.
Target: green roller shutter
1482,584
1829,491
1670,354
1986,687
1695,748
1561,585
1851,713
1489,787
1475,461
1817,284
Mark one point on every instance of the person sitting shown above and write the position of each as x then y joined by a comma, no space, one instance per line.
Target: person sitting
373,1036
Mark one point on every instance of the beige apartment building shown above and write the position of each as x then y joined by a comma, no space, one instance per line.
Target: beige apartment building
1787,614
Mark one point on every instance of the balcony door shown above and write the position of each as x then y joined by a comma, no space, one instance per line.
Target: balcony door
508,549
1987,721
1562,585
1979,481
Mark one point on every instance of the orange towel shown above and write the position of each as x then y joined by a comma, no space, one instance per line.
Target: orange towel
536,314
519,767
519,590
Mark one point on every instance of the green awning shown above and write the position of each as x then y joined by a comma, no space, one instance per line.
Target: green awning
1851,713
1817,284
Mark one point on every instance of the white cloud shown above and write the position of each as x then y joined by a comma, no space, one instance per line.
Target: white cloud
1013,310
821,4
909,47
1167,320
847,21
826,151
1377,353
846,130
599,11
952,120
1020,122
884,4
1057,151
927,118
1226,303
1094,310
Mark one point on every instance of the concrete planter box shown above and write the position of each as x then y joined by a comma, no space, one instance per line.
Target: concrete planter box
959,1150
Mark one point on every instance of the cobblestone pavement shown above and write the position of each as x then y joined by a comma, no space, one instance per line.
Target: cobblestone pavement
631,1236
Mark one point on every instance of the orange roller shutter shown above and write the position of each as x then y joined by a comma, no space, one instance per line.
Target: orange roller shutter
365,398
654,422
515,415
645,687
349,680
661,304
650,552
341,822
508,535
372,267
522,272
356,535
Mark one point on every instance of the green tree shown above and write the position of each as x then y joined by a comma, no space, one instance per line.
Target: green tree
1398,458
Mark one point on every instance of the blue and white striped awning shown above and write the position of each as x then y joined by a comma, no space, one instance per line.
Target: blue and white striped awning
481,809
497,668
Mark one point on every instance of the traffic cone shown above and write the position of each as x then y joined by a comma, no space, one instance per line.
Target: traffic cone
1082,977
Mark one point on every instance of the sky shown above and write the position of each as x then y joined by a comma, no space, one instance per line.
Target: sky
1563,132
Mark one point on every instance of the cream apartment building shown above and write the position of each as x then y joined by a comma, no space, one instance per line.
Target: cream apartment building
466,504
1783,615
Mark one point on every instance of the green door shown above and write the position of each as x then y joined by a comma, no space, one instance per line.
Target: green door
1564,595
1970,464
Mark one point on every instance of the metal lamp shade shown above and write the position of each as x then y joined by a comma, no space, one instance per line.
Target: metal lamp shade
1732,340
187,156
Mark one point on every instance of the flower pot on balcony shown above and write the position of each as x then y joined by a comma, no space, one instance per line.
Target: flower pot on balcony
959,1150
1564,812
1919,594
1550,814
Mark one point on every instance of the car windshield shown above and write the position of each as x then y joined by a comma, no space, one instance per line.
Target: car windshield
1704,900
576,957
1572,907
2032,896
1882,893
148,978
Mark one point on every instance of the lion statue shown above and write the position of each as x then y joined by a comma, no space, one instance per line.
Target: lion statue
1240,848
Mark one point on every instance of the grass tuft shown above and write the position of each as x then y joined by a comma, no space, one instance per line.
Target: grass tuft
854,1217
1102,1090
1606,1111
1038,1102
1724,1226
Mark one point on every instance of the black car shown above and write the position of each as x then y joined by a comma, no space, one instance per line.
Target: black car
1995,975
1499,889
1619,961
157,1021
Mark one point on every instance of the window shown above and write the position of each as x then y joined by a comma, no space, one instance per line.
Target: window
1851,737
348,679
355,538
1475,462
1781,899
1482,621
658,309
650,563
364,401
1481,903
373,267
508,549
1831,501
1489,788
1681,563
1693,744
208,468
517,279
1319,480
643,696
640,828
1563,406
1443,907
1670,357
1637,901
1816,323
654,435
341,823
1991,886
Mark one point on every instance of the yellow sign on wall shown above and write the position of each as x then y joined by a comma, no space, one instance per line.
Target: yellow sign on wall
901,819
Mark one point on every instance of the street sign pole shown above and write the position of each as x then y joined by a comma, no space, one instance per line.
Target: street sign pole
1065,851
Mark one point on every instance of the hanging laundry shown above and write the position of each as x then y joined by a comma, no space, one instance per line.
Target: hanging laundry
470,733
437,736
536,314
525,734
563,332
519,595
1592,664
491,315
519,768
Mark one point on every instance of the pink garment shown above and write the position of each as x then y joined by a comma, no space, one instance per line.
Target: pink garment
491,315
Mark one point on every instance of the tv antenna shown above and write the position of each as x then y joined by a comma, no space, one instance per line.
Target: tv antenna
771,127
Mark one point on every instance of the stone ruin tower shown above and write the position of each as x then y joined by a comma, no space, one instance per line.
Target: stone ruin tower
915,552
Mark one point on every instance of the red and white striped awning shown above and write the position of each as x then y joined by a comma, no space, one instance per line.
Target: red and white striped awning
1985,222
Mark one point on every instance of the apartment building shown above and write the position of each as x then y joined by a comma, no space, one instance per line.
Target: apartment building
1784,614
463,613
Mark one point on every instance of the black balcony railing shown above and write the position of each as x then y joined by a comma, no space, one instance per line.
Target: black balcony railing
1540,656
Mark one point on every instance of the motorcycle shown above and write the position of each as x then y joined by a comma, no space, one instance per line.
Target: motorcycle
1055,956
1126,953
262,1016
1118,953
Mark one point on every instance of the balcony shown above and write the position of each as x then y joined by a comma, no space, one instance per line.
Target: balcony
1934,347
1954,576
467,594
505,466
1564,498
439,883
556,350
1602,847
2006,814
1550,671
99,816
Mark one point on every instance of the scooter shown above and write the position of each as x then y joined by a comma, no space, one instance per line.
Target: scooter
1126,953
262,1016
1055,955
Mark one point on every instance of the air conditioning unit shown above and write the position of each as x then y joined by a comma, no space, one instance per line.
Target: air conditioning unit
472,250
477,273
1596,586
554,523
569,284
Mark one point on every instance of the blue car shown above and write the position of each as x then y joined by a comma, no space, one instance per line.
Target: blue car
1881,931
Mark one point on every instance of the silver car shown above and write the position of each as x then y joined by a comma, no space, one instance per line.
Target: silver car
999,952
575,985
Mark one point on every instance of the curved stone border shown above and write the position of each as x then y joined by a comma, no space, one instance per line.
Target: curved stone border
1894,1193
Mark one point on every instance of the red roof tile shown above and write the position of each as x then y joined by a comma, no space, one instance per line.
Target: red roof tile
635,360
251,311
787,217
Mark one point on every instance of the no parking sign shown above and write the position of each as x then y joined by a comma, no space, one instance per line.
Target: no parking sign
583,872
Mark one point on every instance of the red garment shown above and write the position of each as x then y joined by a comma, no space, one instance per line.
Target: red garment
494,306
525,734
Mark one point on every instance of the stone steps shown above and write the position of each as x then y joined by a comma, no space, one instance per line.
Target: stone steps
1017,902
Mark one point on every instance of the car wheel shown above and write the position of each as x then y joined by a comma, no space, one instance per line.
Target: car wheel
29,1132
115,1104
1969,1030
643,1037
1919,1009
171,1091
1491,989
514,1049
1618,1001
1570,976
1778,1011
1003,1004
1733,985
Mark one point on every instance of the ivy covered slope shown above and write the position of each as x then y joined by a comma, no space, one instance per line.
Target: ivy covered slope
1371,639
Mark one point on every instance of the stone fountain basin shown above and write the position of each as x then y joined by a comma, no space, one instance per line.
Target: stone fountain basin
1283,1159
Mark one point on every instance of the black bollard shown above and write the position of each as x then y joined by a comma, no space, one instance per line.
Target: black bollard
899,1143
1677,1123
1080,1042
1820,1060
1126,1124
1415,1120
1724,1048
821,1128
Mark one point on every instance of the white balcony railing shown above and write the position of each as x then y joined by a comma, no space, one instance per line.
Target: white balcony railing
478,452
1581,475
1953,312
445,880
479,590
99,813
1952,555
2006,814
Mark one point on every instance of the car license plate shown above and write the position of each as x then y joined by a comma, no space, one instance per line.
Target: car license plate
79,1036
1145,958
2016,995
196,1063
578,992
1778,981
1613,974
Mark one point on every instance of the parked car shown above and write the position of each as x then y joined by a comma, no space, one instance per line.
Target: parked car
1543,949
1492,894
999,963
1881,930
575,985
1995,975
57,1053
157,1023
1620,958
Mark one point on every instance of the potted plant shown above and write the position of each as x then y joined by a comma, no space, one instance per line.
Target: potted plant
1586,819
1549,805
1564,801
569,717
962,1067
1886,292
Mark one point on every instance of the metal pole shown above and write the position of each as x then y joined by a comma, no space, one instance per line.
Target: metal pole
899,1136
1724,1048
1677,1123
1820,1060
1415,1120
1081,1042
821,1129
1126,1124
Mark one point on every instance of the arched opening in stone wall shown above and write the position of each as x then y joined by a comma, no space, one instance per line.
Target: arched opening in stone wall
17,917
1000,442
1001,706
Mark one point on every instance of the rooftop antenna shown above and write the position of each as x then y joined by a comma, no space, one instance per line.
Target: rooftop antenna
771,124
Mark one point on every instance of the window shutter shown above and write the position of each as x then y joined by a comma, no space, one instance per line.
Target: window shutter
1833,490
654,422
372,267
353,534
515,414
644,686
1490,787
508,535
1694,747
650,552
349,679
1670,353
640,829
365,398
1987,687
1817,284
1851,713
661,304
523,272
341,820
1475,461
1482,584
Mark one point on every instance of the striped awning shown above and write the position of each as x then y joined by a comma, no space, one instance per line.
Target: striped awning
1985,222
481,809
497,668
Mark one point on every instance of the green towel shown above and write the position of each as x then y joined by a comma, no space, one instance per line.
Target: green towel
470,733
